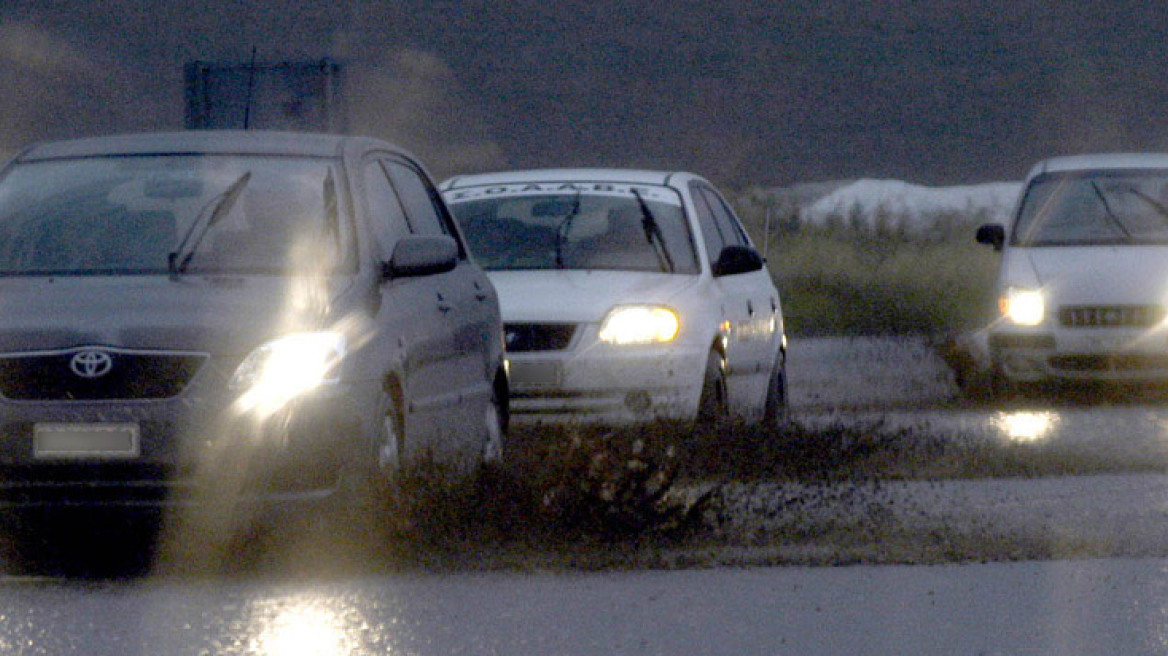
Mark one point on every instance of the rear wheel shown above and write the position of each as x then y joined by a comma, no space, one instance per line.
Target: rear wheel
713,406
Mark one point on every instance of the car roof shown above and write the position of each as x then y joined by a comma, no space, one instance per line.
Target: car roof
203,142
634,176
1095,161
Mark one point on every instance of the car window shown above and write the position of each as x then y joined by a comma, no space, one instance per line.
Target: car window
729,230
578,227
1101,207
711,229
128,215
423,209
386,217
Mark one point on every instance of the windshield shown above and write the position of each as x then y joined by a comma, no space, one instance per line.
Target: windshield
1095,208
131,215
576,227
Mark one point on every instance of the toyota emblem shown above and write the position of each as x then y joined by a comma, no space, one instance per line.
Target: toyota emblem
91,363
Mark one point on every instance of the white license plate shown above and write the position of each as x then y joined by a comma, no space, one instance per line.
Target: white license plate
535,373
57,441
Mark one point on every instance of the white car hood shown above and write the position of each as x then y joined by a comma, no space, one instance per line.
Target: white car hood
577,296
1113,275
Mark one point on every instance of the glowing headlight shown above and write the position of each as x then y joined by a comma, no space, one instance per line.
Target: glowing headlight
1024,307
639,324
281,369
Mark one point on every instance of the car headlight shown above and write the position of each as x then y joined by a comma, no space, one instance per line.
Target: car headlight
1024,307
639,324
283,368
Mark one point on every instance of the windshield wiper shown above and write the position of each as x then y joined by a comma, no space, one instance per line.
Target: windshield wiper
653,234
1161,210
563,228
211,213
1108,213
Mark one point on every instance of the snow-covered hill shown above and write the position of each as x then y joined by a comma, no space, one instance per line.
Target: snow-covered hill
914,204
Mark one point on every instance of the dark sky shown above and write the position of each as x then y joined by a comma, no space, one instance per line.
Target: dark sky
748,93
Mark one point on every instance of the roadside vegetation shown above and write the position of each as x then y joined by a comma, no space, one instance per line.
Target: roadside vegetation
888,275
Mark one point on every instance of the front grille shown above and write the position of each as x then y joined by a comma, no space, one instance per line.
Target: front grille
1126,362
538,336
1111,316
91,483
999,340
48,376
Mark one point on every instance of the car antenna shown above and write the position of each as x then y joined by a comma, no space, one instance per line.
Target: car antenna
251,71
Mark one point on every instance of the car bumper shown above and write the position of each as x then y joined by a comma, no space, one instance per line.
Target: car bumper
190,448
606,384
1110,355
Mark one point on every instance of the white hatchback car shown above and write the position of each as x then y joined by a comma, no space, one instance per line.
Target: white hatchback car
1083,284
626,296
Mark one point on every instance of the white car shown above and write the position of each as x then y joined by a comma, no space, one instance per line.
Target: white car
1084,273
626,296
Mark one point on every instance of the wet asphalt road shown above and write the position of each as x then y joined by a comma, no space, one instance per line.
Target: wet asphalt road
902,384
1113,606
72,608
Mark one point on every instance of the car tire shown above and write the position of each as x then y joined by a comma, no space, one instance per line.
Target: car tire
775,411
371,477
495,428
713,406
361,515
1001,388
390,439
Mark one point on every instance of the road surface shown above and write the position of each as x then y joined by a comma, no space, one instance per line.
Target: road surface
1115,606
1072,602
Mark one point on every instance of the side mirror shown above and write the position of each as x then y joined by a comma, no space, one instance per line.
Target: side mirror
417,255
992,234
737,259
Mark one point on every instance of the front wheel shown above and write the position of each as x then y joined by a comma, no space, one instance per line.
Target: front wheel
777,396
714,405
495,428
371,477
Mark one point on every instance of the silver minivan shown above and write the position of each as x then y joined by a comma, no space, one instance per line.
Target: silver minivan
242,315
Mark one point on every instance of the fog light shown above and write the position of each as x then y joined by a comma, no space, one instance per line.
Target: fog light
638,401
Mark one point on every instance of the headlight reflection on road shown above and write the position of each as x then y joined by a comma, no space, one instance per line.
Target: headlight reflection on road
304,629
1025,426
